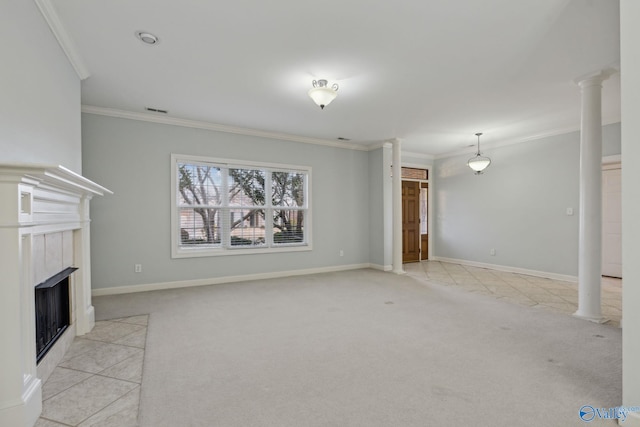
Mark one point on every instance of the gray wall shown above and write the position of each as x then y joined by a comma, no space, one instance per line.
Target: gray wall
611,140
518,207
415,161
40,92
376,207
380,208
132,158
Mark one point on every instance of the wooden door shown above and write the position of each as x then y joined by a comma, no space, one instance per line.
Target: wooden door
611,222
410,221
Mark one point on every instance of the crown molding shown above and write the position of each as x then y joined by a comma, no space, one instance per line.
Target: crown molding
389,144
507,142
197,124
64,39
380,144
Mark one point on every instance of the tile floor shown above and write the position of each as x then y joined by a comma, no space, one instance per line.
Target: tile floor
98,382
532,291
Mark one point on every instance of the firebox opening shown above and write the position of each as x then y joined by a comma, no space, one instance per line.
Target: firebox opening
52,310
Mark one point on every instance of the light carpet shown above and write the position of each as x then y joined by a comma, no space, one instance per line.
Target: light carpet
364,348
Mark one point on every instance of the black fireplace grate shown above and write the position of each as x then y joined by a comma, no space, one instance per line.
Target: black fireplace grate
52,310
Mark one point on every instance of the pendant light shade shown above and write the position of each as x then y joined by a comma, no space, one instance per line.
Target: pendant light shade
479,163
322,94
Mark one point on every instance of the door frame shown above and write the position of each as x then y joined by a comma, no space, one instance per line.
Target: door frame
429,169
610,163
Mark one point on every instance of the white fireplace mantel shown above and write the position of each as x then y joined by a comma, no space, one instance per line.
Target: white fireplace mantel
35,201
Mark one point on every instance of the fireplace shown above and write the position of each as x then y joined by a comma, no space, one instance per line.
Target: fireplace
52,311
44,235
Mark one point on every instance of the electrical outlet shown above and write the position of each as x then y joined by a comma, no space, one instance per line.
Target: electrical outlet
137,268
341,252
492,252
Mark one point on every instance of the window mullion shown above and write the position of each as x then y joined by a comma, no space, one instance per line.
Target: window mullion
225,215
268,210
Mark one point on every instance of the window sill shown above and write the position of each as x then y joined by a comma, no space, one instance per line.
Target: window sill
213,252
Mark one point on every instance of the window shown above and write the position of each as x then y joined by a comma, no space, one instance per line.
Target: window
229,207
424,204
414,173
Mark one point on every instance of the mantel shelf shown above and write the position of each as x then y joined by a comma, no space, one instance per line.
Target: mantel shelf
52,175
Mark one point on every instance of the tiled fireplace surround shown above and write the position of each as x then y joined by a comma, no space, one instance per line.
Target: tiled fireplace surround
44,228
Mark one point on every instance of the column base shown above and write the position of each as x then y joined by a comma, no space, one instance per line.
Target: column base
401,271
594,319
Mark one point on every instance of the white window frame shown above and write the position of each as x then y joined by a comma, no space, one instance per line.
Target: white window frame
179,251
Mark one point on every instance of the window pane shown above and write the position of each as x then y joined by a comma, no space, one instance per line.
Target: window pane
247,227
288,226
413,173
199,226
423,210
199,185
287,189
246,187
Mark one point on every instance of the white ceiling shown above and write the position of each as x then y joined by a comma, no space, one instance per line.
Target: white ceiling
430,72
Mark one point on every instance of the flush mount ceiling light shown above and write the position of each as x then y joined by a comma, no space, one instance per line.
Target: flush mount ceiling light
322,94
479,163
147,38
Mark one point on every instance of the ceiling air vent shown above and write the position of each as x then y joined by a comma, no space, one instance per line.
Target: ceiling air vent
156,110
340,138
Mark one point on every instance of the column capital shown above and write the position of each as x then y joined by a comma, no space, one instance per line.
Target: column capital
596,77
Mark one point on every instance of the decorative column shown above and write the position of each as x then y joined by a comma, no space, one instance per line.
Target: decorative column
590,231
397,207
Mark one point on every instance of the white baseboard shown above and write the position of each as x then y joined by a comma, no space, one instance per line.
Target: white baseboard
85,321
508,269
633,420
218,280
381,267
26,410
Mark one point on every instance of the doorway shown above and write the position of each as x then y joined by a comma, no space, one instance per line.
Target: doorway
410,221
611,220
415,214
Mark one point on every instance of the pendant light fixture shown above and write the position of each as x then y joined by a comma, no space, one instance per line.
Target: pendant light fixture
322,94
479,163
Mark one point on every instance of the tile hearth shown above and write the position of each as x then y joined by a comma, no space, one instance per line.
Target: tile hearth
98,382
